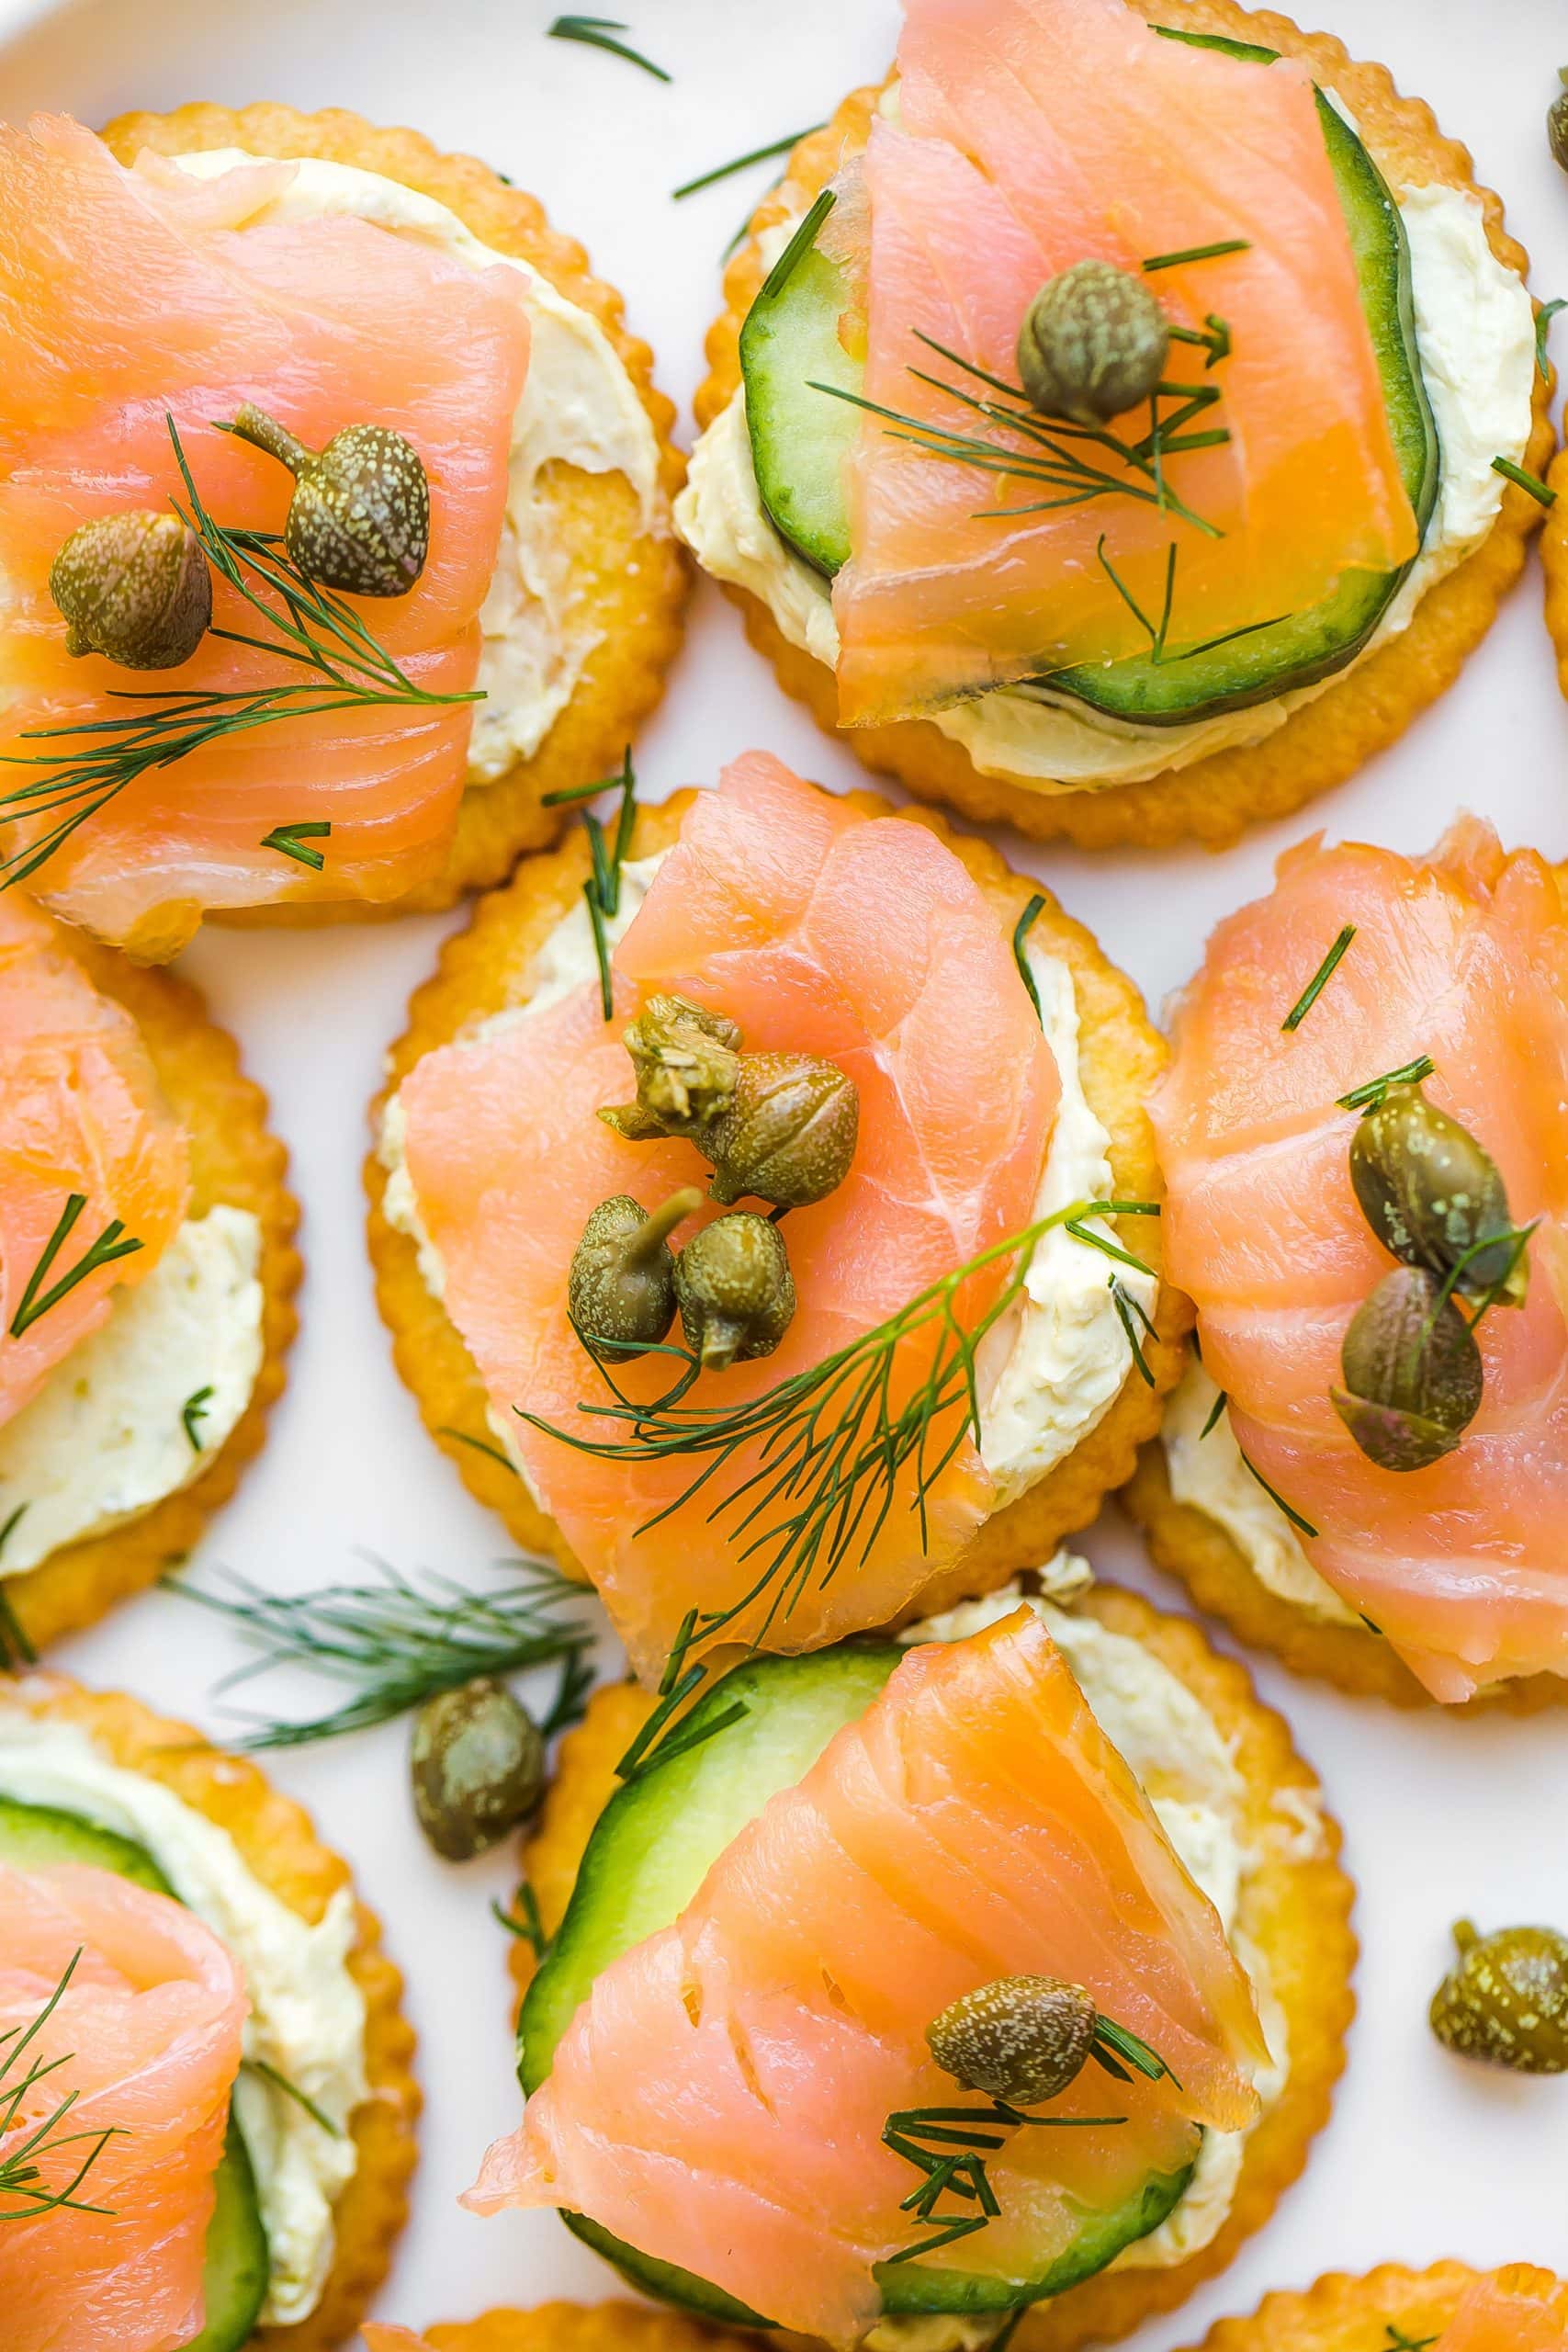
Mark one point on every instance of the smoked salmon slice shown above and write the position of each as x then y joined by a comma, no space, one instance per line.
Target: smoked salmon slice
718,2100
1030,135
1462,957
81,1117
818,930
1518,2309
130,296
146,2039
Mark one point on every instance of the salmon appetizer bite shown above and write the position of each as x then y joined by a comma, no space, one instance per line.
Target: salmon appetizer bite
206,2111
147,1273
1450,2308
332,433
1118,426
1364,1133
906,1988
763,1209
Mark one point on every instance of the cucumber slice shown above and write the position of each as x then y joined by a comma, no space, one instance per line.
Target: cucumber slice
238,2266
800,437
652,1846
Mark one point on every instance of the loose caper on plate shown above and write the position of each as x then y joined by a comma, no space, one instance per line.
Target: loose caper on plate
1505,1999
476,1764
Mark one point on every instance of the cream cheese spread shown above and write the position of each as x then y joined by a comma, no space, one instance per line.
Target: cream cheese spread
579,408
1475,330
1053,1365
107,1435
306,2015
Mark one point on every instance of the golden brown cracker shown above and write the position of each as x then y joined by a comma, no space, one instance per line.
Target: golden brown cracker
583,2327
489,967
279,1845
630,587
1295,1911
234,1159
1320,745
1345,2314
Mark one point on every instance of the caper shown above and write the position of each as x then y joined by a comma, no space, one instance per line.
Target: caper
1093,343
1433,1195
1557,121
359,519
1506,2000
789,1135
686,1062
135,587
622,1285
735,1288
1021,2038
1413,1373
476,1762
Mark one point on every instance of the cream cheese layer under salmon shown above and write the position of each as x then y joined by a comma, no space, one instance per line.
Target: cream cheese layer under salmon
145,2042
1461,959
1028,136
81,1121
129,296
720,2100
821,930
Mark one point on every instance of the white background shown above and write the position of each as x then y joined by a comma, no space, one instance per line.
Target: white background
1426,2156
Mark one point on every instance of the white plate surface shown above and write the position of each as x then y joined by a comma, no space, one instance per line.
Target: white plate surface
1424,2156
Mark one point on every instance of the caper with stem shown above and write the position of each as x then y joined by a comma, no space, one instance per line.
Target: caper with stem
1093,343
1019,2038
1505,1999
359,517
135,587
1433,1196
476,1764
687,1062
1413,1373
789,1135
734,1289
621,1288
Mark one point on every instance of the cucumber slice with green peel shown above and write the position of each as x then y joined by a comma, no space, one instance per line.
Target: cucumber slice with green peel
238,2264
650,1851
800,439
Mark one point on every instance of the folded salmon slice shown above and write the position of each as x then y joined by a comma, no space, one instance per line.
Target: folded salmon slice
1462,957
126,296
1030,135
819,929
719,2098
1516,2310
146,2040
79,1114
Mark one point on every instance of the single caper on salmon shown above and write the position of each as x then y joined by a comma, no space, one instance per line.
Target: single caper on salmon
1093,343
1505,1999
476,1764
621,1289
1557,121
135,587
1019,2038
734,1289
790,1133
1413,1373
687,1062
1433,1195
359,517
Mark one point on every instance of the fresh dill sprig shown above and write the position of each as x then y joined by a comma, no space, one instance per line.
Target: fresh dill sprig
1198,253
524,1920
1215,1409
1539,491
290,841
397,1642
480,1445
112,1242
829,1443
193,1412
1020,932
743,163
306,627
1213,337
1398,2339
1367,1097
1319,980
656,1743
1127,1306
280,2081
1159,631
1302,1526
22,2175
601,891
599,32
1543,319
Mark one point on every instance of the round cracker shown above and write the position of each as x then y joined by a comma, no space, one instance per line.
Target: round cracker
631,587
235,1160
1188,1544
489,968
1335,2314
583,2327
278,1844
1295,1910
1320,745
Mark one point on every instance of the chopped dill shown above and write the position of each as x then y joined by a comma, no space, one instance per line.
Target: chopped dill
22,2173
1540,491
1020,932
601,891
599,32
1367,1097
1319,980
805,236
523,1920
655,1743
1215,1409
1126,1306
1543,319
280,2081
480,1445
291,839
193,1412
743,162
1198,253
36,1300
1302,1526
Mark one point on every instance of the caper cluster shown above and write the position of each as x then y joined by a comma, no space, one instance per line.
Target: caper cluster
1435,1199
777,1127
